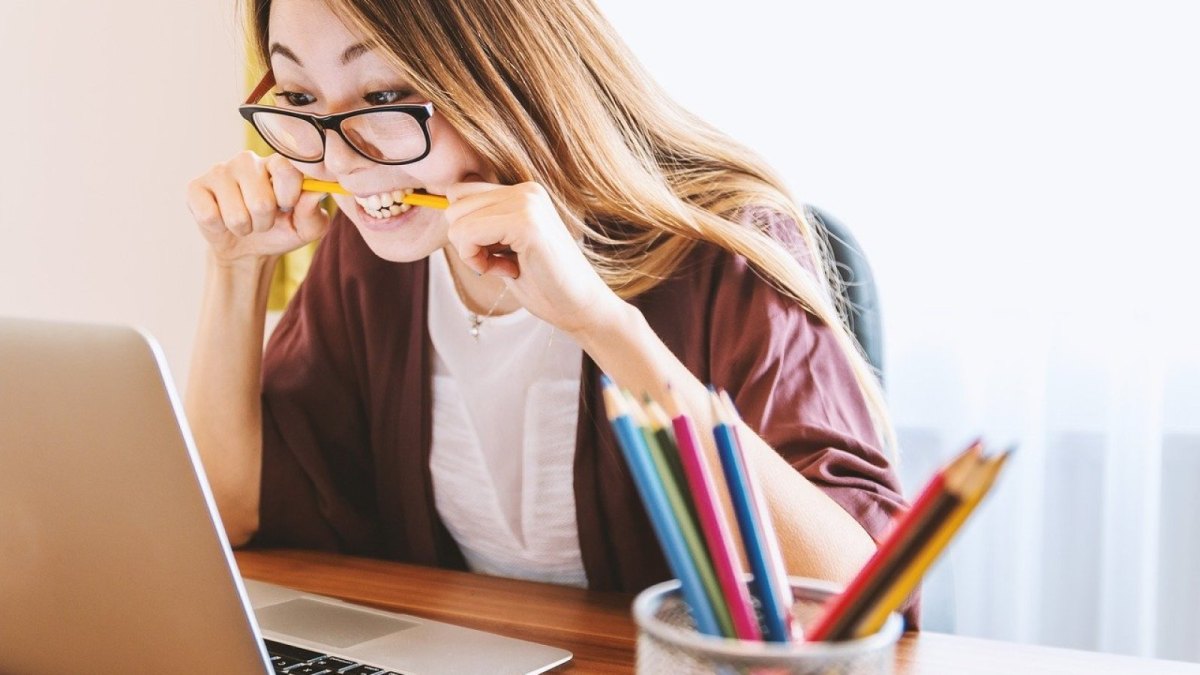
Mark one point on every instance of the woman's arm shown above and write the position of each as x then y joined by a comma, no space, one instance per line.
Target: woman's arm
223,393
817,536
546,271
250,211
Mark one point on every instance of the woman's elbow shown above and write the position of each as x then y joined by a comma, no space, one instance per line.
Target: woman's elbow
240,529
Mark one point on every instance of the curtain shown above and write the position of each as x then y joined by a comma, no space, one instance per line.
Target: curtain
1089,540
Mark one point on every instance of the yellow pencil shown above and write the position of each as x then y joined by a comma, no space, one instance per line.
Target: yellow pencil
415,199
977,485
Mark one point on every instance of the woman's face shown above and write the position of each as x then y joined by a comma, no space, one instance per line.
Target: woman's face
322,68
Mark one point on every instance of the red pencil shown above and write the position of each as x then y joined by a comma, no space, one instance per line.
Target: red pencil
839,610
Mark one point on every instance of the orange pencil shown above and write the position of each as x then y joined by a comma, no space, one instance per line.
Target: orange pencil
414,199
846,609
974,489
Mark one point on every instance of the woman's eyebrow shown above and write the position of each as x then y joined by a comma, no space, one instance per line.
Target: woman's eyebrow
355,51
352,52
279,49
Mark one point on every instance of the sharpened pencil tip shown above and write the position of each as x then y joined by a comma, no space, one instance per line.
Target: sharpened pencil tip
718,410
614,403
730,409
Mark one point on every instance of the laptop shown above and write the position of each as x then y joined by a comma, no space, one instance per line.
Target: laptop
112,554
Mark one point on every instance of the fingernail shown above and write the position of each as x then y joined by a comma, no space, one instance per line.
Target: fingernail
285,209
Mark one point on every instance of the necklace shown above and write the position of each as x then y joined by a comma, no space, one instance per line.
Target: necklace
473,318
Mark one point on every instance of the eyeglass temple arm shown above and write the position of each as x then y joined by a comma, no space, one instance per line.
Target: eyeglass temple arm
261,88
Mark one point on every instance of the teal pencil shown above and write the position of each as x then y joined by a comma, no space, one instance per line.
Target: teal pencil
687,524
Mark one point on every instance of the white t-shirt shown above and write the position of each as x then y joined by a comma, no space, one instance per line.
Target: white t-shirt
505,409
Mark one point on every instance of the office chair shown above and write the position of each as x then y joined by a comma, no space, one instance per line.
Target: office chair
862,302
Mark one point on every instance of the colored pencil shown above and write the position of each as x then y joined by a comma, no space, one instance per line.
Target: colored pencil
413,199
973,489
756,534
842,612
654,498
683,501
661,425
781,585
713,522
685,520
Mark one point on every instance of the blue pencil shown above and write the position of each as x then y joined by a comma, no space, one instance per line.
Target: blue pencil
760,553
654,498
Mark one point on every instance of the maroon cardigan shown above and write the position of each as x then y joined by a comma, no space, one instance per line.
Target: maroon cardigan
347,410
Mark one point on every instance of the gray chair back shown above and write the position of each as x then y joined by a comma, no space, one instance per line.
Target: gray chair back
862,300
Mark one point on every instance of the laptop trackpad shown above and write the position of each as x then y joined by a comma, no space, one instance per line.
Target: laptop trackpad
327,624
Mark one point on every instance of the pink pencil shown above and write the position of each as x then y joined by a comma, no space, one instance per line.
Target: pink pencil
730,573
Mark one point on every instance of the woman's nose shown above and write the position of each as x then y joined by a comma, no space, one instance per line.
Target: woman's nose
340,158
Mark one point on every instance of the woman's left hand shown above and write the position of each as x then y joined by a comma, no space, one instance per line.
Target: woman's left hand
545,270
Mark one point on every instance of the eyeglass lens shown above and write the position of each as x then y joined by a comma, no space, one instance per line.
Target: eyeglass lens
385,135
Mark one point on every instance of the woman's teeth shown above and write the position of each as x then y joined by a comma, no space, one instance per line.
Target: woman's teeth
385,204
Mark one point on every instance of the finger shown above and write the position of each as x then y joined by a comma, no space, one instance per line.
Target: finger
476,238
310,221
502,265
285,180
467,188
494,260
492,225
234,215
466,198
203,206
255,183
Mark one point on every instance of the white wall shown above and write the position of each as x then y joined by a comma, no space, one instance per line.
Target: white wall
963,140
108,109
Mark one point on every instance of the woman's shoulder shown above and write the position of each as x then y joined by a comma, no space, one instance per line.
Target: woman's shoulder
786,229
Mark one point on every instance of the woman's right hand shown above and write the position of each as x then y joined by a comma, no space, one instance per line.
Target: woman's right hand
251,207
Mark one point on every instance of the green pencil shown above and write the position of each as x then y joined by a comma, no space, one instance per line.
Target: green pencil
687,522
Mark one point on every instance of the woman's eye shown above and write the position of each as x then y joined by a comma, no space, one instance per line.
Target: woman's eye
295,99
386,97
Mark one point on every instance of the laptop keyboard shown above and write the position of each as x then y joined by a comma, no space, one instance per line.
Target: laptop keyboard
294,660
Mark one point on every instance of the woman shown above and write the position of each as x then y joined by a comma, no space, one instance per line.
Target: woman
431,394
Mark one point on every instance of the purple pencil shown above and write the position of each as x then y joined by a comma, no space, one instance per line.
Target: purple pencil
730,573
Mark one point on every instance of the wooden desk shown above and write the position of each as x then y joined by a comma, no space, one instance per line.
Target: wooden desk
598,628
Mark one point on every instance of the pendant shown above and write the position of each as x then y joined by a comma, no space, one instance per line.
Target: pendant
475,321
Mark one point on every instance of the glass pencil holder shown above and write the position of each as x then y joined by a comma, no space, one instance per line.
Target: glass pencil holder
668,642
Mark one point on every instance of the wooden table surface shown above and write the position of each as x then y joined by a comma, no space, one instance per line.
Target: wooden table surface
597,626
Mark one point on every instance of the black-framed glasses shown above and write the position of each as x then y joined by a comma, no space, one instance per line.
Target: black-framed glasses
387,134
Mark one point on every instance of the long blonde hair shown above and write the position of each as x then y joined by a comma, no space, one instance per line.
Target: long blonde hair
546,91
